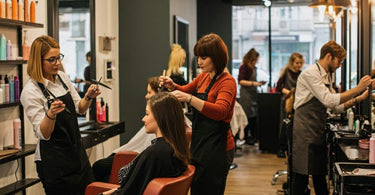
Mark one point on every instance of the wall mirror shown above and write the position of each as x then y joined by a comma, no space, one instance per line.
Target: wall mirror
181,37
72,23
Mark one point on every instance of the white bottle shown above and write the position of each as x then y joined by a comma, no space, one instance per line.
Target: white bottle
356,126
350,119
372,149
1,95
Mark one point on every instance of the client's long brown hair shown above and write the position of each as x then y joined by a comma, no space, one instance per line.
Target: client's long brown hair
167,111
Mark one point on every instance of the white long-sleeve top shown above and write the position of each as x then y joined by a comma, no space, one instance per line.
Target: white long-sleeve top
313,82
35,104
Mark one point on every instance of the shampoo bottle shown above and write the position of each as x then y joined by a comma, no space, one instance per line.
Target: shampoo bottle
2,9
8,11
6,81
25,48
20,11
32,11
16,89
372,149
2,86
102,107
1,96
106,113
350,119
3,47
17,133
14,10
26,11
9,50
11,89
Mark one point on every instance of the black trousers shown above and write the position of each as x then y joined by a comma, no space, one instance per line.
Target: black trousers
102,168
300,182
251,130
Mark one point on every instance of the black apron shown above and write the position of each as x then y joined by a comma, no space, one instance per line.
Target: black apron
65,168
309,138
208,149
248,96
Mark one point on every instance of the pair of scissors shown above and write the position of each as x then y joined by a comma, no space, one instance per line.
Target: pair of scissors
55,98
98,82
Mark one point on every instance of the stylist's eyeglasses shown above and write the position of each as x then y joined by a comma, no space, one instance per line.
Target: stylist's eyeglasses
53,60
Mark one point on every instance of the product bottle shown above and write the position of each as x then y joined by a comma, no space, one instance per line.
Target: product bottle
2,86
356,126
6,81
1,96
32,11
26,11
20,11
372,149
9,50
14,10
25,47
2,9
16,89
3,47
17,133
106,112
98,110
11,89
350,119
8,11
102,111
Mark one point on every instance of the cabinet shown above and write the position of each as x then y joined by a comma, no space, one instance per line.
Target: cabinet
269,121
27,149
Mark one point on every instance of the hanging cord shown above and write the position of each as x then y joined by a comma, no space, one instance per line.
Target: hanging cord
18,165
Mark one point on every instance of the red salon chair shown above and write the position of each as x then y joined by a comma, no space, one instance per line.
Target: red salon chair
159,186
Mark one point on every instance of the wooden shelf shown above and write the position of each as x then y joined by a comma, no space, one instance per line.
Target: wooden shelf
17,23
26,150
12,62
18,186
9,104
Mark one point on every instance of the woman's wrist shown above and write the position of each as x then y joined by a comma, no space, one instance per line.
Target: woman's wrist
50,117
189,101
88,98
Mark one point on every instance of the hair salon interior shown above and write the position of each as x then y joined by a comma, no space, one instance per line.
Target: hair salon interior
117,45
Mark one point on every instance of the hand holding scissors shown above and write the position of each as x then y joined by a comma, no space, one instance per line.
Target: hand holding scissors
93,91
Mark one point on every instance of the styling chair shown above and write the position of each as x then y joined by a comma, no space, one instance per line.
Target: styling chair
159,186
286,127
121,159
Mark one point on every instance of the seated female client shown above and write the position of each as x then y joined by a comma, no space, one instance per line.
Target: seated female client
168,155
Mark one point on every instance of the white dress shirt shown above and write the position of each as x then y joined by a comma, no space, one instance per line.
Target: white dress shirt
313,82
36,106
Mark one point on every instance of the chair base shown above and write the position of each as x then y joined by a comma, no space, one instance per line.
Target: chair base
277,175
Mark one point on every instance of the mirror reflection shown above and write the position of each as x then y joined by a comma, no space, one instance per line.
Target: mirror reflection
74,39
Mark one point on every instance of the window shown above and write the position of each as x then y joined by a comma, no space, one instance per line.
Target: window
294,29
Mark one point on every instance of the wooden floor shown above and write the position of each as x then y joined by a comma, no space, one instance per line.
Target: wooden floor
254,173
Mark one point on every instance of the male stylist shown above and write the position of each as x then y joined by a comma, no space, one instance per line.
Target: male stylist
314,94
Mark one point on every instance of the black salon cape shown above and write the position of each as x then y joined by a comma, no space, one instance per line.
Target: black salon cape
157,160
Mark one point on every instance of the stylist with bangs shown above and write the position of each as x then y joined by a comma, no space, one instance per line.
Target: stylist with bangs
212,95
51,103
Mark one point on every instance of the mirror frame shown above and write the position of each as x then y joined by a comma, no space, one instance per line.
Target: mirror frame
176,21
53,31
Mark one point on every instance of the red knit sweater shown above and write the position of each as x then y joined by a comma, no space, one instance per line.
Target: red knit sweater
220,101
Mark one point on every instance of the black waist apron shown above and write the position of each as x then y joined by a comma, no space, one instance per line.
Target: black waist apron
65,168
309,139
208,149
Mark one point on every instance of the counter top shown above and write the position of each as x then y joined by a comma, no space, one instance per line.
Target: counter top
355,153
93,133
